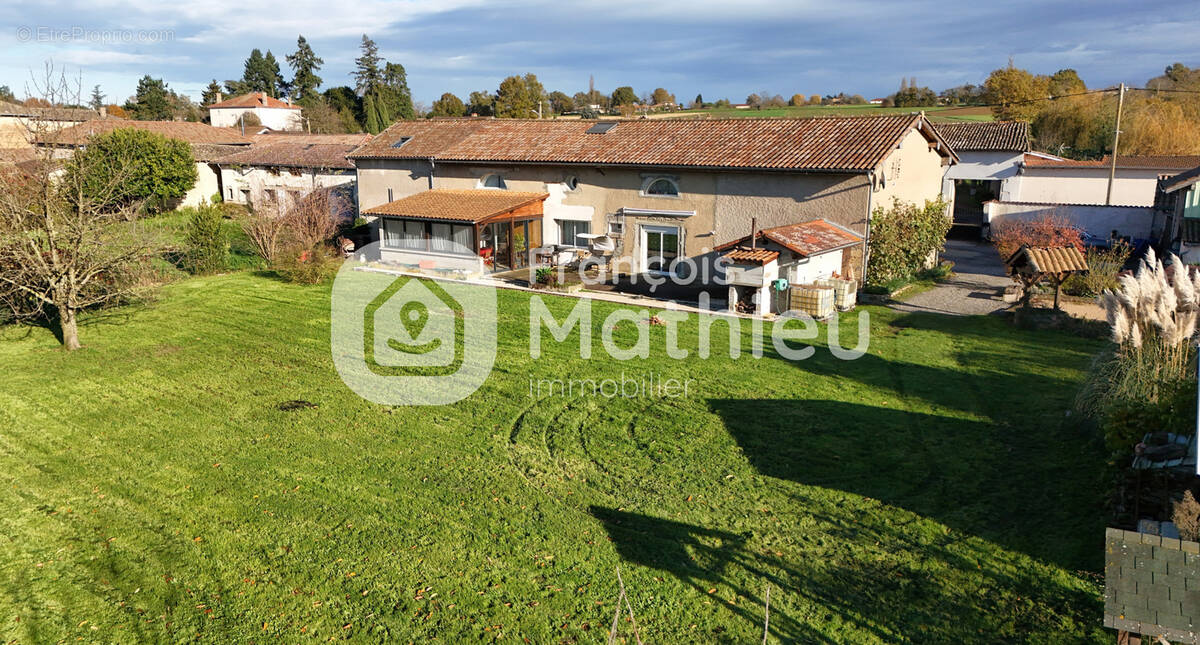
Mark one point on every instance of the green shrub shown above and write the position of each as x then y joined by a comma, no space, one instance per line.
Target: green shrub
1103,267
942,271
128,167
1127,420
546,276
206,239
903,237
308,266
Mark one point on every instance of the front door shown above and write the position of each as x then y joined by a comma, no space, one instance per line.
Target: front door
660,248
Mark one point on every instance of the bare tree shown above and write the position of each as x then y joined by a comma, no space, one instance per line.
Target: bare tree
312,220
264,227
65,247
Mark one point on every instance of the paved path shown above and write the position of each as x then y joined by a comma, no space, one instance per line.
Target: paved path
977,287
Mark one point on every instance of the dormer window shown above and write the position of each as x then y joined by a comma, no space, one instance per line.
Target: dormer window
661,187
493,181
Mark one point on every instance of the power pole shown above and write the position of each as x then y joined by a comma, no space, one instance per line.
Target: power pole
1112,169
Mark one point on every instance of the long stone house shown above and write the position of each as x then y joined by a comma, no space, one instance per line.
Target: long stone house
661,189
281,167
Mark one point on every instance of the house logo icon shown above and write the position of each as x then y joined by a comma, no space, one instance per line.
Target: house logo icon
404,340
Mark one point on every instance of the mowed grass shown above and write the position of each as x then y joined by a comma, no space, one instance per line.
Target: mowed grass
931,491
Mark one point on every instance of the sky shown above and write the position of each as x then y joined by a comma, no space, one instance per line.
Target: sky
718,48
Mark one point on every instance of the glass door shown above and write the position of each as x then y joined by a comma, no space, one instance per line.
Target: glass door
660,248
497,245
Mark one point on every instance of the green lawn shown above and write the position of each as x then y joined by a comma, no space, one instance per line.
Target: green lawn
937,114
931,491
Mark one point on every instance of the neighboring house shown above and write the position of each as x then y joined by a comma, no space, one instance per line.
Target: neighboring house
1177,203
990,155
208,143
19,123
664,190
1049,179
271,112
282,167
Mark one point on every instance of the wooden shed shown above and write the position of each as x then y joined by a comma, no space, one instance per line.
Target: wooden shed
1030,265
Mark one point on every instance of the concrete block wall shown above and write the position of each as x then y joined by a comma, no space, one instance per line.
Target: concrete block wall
1152,585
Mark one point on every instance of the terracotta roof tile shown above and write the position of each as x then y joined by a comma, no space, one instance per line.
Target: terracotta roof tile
251,100
847,144
458,205
78,135
1059,259
306,138
212,151
48,113
292,155
1146,162
752,256
996,135
806,238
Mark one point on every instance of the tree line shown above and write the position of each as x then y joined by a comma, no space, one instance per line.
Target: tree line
1161,118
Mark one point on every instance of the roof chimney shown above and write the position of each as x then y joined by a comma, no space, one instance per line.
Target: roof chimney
103,111
217,97
262,98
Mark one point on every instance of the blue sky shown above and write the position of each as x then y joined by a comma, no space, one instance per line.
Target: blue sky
721,48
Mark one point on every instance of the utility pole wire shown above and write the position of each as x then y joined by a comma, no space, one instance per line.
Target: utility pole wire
1112,169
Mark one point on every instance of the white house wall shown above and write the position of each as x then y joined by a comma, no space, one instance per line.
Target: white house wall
985,165
260,181
1133,187
274,118
207,185
1134,221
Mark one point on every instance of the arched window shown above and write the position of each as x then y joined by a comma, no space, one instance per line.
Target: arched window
663,187
492,181
572,182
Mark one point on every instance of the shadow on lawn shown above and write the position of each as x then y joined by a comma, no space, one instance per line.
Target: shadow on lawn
1030,489
941,589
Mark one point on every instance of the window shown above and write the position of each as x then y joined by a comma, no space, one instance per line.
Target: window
660,248
413,236
662,187
439,237
401,141
393,232
572,182
492,181
616,226
569,231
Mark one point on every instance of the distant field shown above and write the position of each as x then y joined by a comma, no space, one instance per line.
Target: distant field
941,114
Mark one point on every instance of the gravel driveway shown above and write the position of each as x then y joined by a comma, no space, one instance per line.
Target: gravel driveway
977,287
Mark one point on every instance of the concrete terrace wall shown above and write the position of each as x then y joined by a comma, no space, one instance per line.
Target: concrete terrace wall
1134,221
1152,585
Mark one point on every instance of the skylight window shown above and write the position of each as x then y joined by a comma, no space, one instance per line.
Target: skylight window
602,127
401,141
